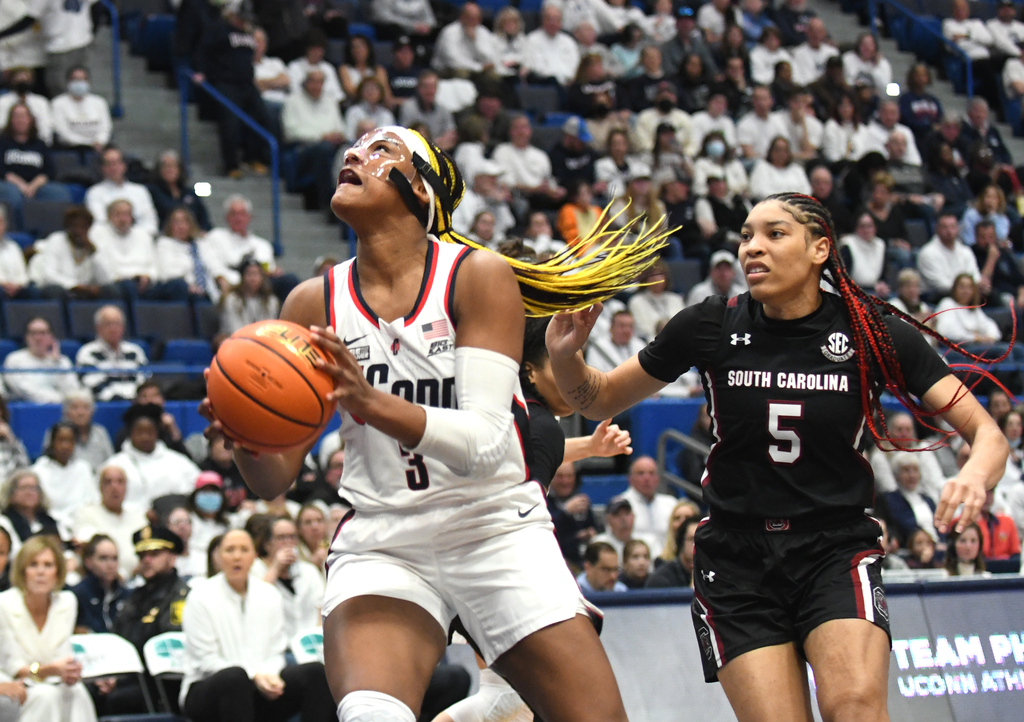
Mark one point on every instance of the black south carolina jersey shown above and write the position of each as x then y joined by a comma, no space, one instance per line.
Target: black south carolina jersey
784,400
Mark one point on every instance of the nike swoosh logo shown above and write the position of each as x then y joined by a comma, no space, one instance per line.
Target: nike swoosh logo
350,341
524,514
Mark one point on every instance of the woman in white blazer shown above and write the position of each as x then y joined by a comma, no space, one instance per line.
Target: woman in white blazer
36,623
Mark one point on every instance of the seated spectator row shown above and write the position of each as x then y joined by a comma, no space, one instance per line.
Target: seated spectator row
76,320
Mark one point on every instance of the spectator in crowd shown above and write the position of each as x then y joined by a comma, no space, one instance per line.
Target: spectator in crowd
81,119
63,479
803,130
12,452
600,569
25,505
207,517
41,352
715,119
883,207
866,62
626,50
766,55
586,42
312,528
782,86
1007,32
538,236
944,178
481,230
909,508
620,345
234,649
403,72
919,110
572,515
756,129
875,135
901,430
269,73
823,189
945,257
694,85
665,159
909,180
250,301
92,442
679,571
641,88
619,521
721,213
793,18
20,82
840,130
65,263
360,64
998,265
171,190
299,583
654,302
526,168
101,594
225,58
37,620
312,123
921,549
1013,75
369,106
300,68
999,538
127,254
26,166
715,16
756,17
572,159
594,97
152,469
113,517
636,564
664,112
652,509
963,552
661,25
549,54
682,511
722,279
779,171
990,205
863,252
689,39
115,187
14,280
393,18
220,460
486,194
810,57
465,46
736,88
975,126
68,31
960,318
149,393
972,37
612,170
423,108
182,253
230,245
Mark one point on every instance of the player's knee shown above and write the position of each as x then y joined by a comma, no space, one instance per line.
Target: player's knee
369,706
857,700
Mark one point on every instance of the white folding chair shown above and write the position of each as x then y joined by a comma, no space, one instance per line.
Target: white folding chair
308,645
109,655
165,659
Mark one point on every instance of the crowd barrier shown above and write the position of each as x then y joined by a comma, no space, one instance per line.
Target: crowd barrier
958,653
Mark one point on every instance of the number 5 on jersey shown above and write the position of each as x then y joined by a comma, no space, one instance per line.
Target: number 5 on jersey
778,411
416,477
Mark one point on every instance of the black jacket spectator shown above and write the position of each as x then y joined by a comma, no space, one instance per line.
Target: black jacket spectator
96,609
592,99
23,528
568,165
641,91
152,609
969,134
793,24
669,574
26,160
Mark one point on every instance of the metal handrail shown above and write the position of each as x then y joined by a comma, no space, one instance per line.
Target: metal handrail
692,490
914,17
184,82
116,110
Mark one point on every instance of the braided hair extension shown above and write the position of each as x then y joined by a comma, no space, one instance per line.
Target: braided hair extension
601,265
877,361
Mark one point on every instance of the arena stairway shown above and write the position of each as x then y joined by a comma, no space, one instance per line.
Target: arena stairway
151,124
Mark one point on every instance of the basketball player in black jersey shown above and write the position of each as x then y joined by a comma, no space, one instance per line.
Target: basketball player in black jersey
787,567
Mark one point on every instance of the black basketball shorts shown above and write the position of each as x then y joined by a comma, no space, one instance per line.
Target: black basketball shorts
756,589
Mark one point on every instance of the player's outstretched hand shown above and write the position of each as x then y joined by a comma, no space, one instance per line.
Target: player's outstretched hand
609,440
568,332
351,389
969,491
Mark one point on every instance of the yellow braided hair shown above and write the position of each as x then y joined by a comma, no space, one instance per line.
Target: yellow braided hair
603,263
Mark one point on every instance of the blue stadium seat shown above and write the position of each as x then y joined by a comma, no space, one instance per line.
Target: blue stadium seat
162,319
539,98
44,217
69,347
157,41
16,314
335,54
556,120
25,240
31,421
191,352
80,317
206,319
685,274
362,29
6,347
601,489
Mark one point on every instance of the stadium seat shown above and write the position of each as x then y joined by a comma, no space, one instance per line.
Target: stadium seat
335,54
80,317
917,232
69,347
6,347
602,488
44,217
165,659
110,655
31,422
556,120
206,318
685,274
162,320
538,98
157,41
191,352
16,314
25,240
546,137
308,645
362,29
382,51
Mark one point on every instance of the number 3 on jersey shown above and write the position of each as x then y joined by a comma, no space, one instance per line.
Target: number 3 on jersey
789,452
416,477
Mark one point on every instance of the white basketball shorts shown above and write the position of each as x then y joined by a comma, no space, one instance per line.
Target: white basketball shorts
493,562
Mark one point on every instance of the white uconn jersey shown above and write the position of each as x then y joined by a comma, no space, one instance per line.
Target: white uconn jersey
413,358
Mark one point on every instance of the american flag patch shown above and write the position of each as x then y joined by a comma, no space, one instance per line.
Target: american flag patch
435,329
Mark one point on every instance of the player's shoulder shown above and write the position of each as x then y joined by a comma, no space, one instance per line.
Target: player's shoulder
306,305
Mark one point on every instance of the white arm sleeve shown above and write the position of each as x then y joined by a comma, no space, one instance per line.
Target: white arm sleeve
472,439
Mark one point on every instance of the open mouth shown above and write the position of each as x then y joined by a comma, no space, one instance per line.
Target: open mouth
755,269
348,175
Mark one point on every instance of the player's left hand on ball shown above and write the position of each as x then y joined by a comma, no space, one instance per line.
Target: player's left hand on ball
970,492
609,440
350,386
216,429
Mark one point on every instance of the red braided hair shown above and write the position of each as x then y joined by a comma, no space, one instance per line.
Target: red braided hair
877,362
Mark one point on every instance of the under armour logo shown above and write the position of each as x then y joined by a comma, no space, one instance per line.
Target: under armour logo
737,339
708,576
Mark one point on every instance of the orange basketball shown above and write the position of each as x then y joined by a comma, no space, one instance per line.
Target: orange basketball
265,388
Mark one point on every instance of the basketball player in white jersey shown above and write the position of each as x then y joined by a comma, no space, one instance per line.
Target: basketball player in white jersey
427,338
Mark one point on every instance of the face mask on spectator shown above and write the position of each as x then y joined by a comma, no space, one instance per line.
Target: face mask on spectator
78,88
716,149
665,105
209,502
